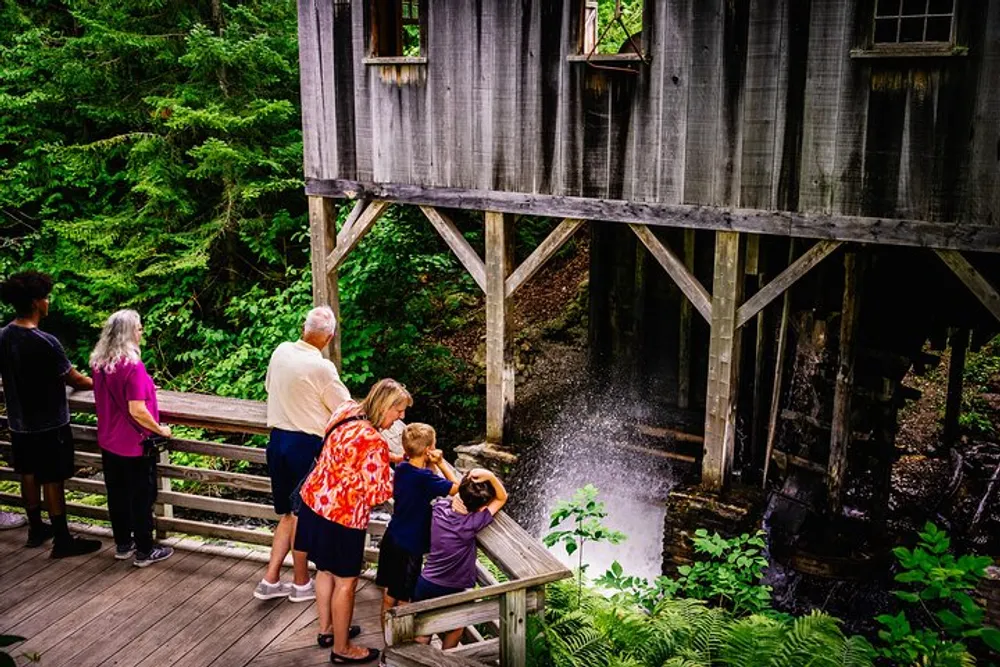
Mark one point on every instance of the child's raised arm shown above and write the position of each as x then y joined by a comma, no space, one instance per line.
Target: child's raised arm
483,475
436,459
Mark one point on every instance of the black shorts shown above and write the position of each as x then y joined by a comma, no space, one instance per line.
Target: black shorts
331,547
48,455
398,569
290,456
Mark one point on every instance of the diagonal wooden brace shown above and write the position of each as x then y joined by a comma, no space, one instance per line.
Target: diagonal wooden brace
351,234
688,284
466,254
784,280
977,284
545,250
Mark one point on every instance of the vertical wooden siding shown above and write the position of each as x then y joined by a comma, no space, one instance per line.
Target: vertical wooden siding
753,103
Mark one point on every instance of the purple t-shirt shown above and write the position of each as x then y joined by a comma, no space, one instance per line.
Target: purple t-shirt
452,558
117,431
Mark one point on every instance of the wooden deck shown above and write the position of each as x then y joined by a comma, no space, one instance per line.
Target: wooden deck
194,610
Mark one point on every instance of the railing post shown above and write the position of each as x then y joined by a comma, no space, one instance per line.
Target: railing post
513,633
164,510
398,629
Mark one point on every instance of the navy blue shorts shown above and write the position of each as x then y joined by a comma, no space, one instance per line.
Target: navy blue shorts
398,569
290,456
331,547
428,590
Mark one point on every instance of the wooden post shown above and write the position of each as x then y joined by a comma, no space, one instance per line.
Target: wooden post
322,241
958,343
684,341
779,368
499,350
513,633
398,629
840,426
164,510
723,363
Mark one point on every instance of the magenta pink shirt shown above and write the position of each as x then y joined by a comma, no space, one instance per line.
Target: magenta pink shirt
117,432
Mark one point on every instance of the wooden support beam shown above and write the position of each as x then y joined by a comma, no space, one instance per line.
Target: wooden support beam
466,253
977,284
688,284
499,320
840,426
784,280
684,322
351,235
891,231
779,368
542,254
959,343
513,630
723,363
322,242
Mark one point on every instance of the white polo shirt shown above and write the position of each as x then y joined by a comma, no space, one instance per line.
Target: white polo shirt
303,389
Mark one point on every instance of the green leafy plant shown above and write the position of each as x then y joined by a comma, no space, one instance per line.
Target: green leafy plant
940,614
594,630
728,576
585,514
731,573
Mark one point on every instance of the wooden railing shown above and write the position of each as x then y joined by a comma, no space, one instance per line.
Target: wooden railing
502,606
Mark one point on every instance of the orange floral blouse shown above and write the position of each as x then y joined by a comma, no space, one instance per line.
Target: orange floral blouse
352,474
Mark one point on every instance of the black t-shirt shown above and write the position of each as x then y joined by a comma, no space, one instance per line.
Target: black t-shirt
33,365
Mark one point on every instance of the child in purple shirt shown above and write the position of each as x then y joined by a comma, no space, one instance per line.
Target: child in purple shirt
451,563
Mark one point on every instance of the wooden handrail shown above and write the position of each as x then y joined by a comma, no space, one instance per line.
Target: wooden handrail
526,563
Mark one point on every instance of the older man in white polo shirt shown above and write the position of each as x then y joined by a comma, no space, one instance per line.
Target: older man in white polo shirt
303,390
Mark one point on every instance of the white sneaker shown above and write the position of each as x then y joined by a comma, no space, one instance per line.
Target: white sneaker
303,593
9,520
266,591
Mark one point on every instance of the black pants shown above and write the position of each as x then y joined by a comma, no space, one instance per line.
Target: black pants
131,483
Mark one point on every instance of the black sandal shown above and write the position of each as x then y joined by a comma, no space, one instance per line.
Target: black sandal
344,660
326,640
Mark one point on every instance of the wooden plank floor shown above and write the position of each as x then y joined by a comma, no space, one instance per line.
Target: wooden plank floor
194,610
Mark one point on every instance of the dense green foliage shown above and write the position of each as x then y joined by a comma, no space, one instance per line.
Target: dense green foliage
940,615
150,157
612,632
728,574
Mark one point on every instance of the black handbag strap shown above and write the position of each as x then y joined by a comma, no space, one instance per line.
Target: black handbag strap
343,421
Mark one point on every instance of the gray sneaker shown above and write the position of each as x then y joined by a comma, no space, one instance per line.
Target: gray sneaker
155,555
303,593
266,591
10,520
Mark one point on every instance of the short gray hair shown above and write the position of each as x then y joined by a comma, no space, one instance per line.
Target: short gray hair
320,320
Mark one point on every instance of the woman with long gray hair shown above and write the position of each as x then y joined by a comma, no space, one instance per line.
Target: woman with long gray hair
127,415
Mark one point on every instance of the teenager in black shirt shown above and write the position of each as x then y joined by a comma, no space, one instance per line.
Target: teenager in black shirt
35,372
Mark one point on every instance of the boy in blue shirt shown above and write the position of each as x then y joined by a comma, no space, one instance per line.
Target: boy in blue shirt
418,480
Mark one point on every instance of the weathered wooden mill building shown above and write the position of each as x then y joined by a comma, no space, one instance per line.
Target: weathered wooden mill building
737,143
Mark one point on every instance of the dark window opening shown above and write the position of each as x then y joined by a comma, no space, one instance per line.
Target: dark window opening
396,29
913,21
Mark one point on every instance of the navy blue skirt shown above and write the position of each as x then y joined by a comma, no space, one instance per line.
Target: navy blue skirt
331,547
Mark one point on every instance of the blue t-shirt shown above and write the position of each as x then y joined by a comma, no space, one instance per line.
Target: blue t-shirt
413,490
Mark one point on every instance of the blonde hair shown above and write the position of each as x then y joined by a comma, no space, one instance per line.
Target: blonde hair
384,395
418,438
117,342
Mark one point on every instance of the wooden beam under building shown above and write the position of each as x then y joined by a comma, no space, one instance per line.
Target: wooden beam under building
545,250
499,320
689,285
959,343
465,253
860,229
723,363
353,231
322,242
684,333
840,426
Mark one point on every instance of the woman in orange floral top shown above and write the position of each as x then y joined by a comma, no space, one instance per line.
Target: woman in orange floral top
351,476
